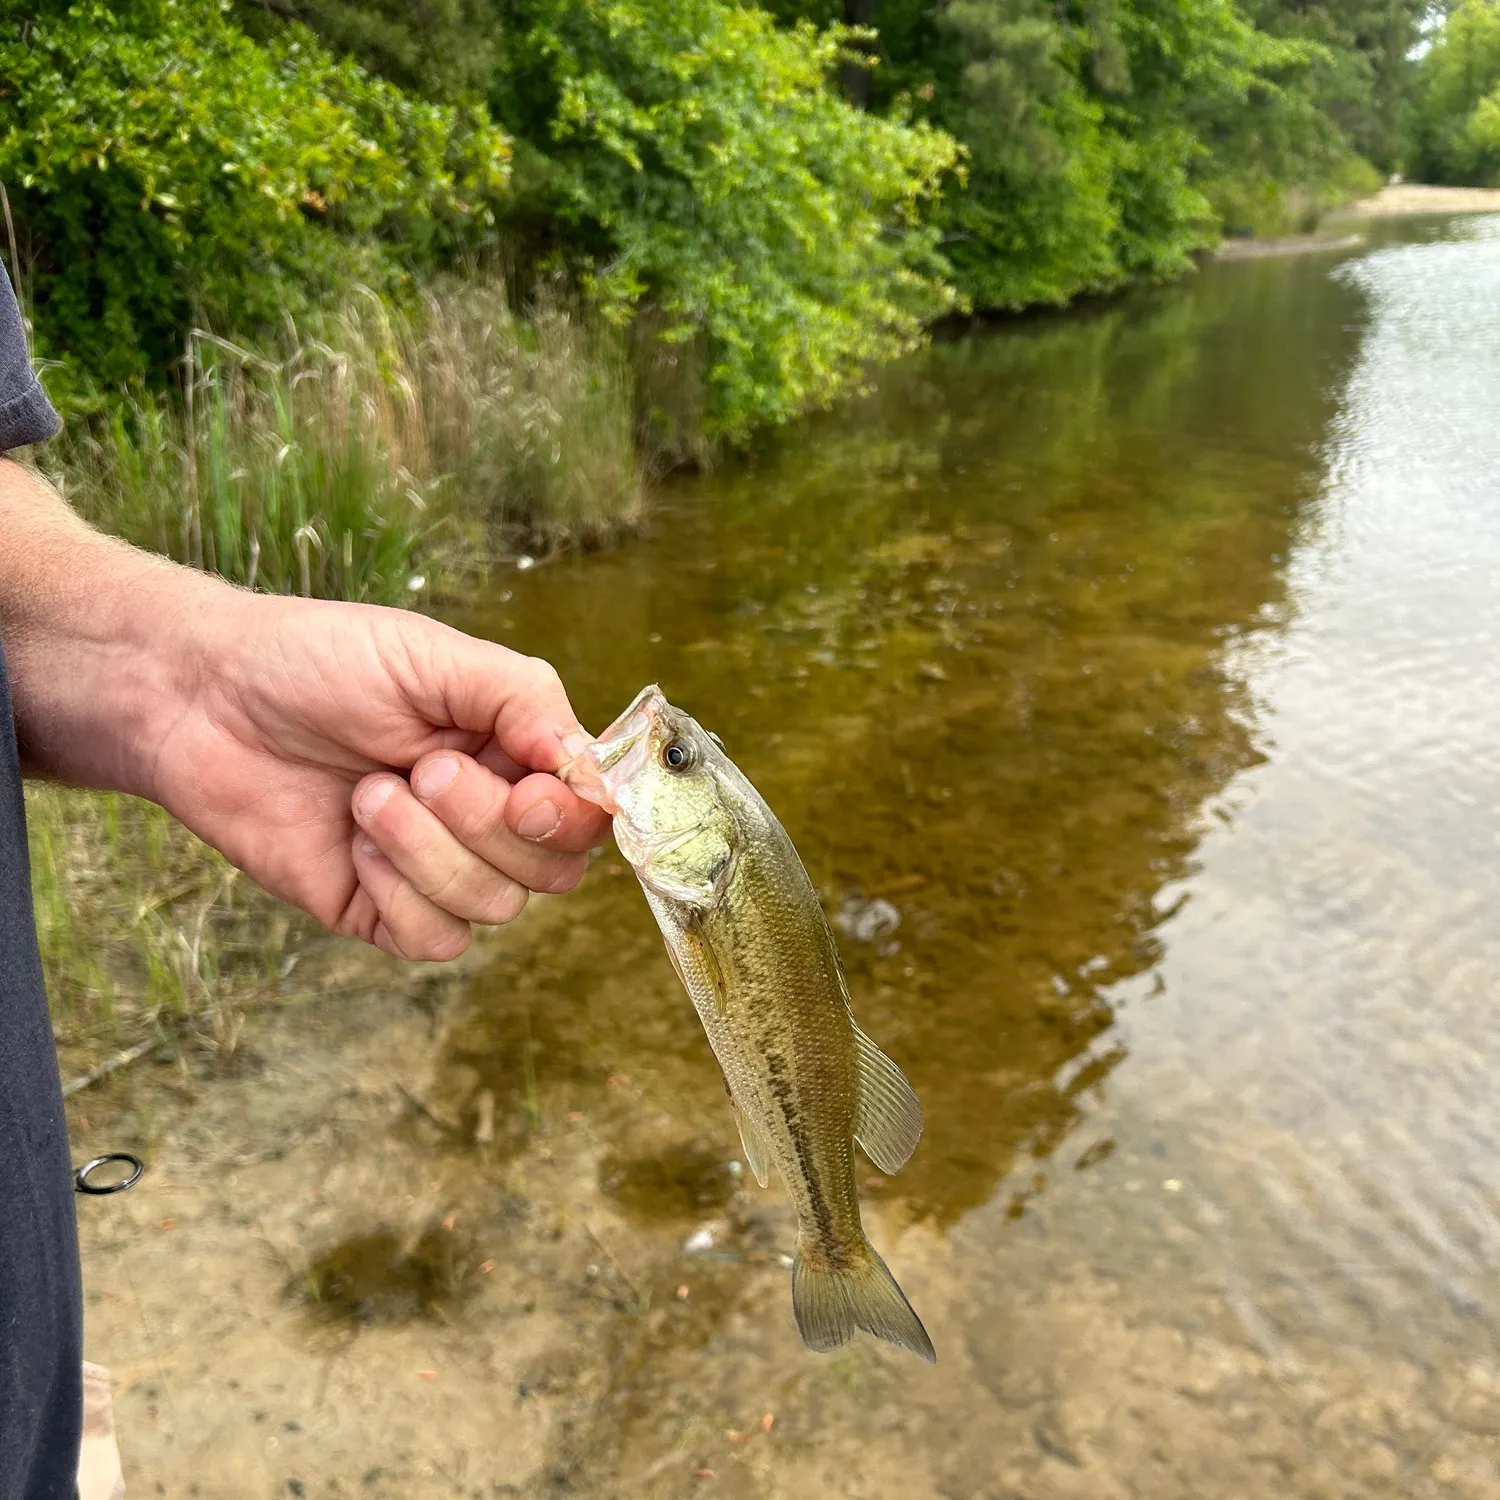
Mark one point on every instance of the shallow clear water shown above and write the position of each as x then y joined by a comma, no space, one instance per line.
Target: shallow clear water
1144,659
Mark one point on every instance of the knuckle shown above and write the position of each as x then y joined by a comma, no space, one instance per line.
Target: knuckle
384,939
406,913
447,889
544,675
420,930
476,824
470,809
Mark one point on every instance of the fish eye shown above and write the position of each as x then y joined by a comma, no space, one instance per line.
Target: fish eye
678,756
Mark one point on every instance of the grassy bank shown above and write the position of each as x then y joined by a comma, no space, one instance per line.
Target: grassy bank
145,933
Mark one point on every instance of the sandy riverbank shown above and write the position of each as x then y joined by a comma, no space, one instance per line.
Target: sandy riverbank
1421,198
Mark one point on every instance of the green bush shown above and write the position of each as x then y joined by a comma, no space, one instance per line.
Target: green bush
698,151
695,167
163,168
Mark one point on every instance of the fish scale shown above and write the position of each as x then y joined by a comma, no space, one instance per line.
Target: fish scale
752,947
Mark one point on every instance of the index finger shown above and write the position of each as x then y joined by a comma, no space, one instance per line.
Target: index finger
536,725
542,809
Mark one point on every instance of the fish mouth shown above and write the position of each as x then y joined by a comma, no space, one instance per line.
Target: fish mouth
598,772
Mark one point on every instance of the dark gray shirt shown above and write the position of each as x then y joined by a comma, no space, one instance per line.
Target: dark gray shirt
41,1394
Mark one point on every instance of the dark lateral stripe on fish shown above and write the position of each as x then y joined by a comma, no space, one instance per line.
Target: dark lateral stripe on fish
780,1084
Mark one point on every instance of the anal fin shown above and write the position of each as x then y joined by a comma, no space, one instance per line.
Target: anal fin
888,1116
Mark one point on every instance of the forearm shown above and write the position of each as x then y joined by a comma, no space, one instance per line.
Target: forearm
98,639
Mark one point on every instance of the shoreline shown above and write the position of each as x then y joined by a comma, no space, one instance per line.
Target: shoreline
1396,200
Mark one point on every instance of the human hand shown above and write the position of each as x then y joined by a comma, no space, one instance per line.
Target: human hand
288,749
385,773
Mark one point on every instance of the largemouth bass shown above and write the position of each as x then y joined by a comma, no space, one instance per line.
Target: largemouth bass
748,938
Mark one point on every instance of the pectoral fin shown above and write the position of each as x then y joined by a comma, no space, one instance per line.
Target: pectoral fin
692,955
755,1148
888,1116
704,961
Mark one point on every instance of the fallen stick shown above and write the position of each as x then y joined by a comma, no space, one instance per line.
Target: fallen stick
108,1066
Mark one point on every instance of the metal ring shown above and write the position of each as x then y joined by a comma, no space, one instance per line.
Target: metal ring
81,1176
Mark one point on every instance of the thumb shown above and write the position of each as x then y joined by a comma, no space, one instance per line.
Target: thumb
489,689
460,681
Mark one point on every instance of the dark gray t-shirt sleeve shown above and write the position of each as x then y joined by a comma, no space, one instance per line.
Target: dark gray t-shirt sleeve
26,415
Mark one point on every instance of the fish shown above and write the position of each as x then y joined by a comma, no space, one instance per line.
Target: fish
747,935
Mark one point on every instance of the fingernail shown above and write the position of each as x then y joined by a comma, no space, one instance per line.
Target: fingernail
368,846
575,742
375,796
434,777
540,821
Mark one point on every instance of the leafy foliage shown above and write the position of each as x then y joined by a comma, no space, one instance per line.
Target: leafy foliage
698,167
1112,139
698,152
449,50
1360,73
690,163
164,167
1455,118
1113,108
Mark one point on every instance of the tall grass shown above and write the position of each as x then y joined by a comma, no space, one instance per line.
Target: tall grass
531,421
365,453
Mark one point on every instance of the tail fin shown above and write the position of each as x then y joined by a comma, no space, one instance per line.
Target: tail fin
830,1303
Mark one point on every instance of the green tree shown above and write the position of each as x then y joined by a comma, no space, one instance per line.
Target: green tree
1361,73
163,168
1112,138
737,192
1085,126
692,161
448,50
1038,218
1455,115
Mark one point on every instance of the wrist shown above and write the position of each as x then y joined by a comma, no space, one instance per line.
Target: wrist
105,643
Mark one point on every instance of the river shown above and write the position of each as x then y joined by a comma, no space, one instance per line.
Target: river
1142,662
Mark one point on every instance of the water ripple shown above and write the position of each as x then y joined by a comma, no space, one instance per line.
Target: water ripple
1328,1021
